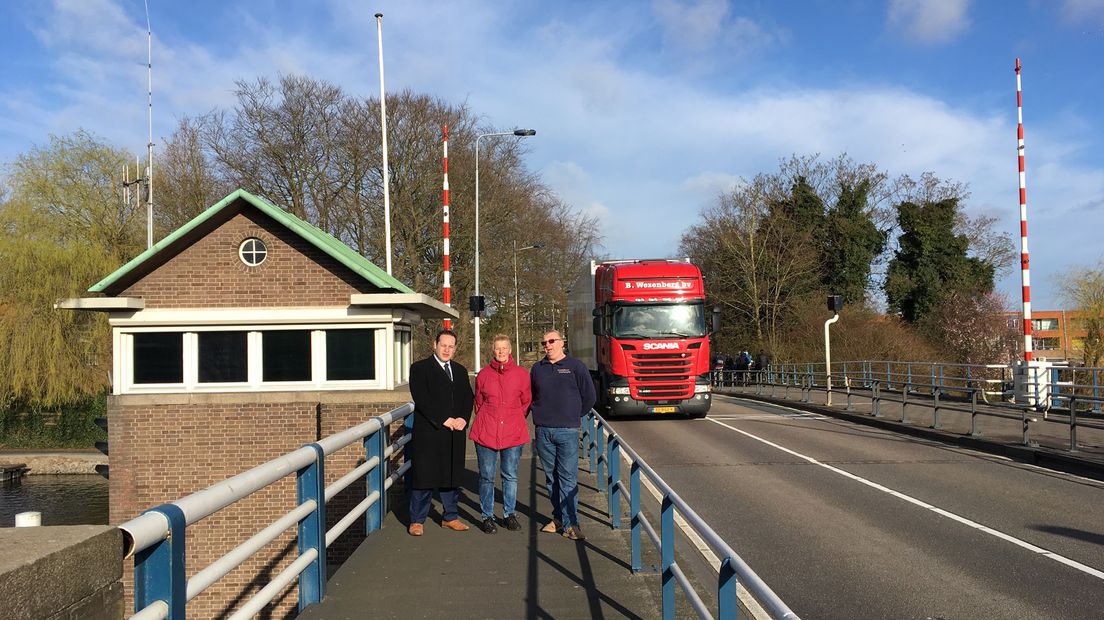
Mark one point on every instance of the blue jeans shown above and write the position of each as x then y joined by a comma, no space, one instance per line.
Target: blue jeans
420,499
558,449
488,463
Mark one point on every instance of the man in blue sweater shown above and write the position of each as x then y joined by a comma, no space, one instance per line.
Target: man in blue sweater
563,393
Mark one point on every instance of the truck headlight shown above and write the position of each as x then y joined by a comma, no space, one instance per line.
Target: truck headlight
701,387
619,390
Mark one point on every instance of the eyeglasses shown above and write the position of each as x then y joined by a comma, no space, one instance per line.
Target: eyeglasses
549,341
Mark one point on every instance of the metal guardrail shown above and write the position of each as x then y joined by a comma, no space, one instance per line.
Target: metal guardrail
158,537
944,387
604,448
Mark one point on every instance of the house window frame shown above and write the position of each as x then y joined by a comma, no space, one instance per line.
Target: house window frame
124,346
263,251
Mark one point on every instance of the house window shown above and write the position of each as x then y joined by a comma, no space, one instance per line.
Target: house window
350,354
252,251
159,357
1046,344
286,355
402,356
261,358
1044,324
223,357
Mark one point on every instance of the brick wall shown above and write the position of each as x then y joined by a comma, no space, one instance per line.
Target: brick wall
209,274
164,447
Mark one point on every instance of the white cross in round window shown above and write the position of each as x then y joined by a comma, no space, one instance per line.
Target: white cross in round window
252,251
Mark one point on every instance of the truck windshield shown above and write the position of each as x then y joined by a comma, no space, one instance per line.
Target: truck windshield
658,321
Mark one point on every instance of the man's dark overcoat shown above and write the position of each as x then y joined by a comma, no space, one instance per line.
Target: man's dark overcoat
438,452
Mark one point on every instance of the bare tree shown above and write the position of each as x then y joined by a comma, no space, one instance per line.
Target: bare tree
1084,290
188,181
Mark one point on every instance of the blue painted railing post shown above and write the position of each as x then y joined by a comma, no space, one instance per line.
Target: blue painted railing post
600,447
591,446
159,570
310,483
634,513
726,591
667,555
375,446
1096,390
408,428
613,491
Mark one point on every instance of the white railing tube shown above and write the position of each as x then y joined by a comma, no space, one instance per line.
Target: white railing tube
217,569
144,531
204,503
344,481
281,581
339,528
157,610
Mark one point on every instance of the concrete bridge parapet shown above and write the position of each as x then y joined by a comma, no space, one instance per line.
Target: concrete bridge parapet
61,573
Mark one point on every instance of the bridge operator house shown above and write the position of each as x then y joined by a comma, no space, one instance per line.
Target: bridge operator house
242,336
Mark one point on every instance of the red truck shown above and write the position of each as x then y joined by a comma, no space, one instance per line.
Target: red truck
640,326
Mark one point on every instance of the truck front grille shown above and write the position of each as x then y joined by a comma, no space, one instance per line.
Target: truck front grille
662,375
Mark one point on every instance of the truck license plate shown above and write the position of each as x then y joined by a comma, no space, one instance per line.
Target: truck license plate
664,409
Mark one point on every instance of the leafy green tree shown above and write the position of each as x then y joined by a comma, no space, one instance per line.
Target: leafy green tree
932,262
852,242
757,261
63,227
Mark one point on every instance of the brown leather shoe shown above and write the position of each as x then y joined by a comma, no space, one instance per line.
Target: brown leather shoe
415,529
574,532
454,525
552,527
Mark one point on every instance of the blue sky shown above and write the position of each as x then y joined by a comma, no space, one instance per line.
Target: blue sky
645,110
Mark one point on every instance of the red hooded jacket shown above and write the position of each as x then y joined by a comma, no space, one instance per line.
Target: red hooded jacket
502,397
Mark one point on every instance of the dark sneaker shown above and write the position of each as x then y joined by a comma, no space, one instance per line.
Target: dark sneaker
488,526
512,523
573,532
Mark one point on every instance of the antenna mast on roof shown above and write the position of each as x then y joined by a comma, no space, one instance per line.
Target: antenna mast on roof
149,145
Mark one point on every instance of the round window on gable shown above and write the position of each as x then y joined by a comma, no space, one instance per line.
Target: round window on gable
252,251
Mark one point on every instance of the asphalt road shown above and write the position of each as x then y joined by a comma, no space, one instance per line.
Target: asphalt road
848,521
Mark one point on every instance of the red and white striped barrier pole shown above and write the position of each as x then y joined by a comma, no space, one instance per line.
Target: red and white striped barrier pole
1025,273
445,217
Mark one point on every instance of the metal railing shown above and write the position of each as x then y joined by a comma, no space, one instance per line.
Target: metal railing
158,537
605,448
944,387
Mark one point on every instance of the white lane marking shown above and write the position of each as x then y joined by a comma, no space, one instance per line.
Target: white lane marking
754,608
912,500
771,416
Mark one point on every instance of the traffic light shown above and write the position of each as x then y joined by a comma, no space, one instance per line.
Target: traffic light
477,304
835,303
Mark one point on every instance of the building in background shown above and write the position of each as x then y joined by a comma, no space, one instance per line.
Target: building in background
1056,334
240,337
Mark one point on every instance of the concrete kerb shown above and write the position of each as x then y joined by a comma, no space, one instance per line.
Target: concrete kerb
1088,465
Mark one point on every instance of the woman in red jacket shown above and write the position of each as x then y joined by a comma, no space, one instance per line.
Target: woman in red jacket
500,431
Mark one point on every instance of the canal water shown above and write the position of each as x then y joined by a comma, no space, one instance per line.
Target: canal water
62,500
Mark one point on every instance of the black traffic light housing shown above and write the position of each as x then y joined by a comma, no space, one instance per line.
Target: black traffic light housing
477,304
835,303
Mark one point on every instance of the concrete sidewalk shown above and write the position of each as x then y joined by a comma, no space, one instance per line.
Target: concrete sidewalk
524,574
1048,435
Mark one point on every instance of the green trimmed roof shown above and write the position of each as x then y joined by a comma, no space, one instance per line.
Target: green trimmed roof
313,235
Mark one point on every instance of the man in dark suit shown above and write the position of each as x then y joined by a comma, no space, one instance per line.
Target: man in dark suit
442,408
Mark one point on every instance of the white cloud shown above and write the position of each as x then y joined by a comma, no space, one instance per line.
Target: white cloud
1081,11
929,21
705,24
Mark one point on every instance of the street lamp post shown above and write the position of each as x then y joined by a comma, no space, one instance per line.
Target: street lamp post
517,321
524,133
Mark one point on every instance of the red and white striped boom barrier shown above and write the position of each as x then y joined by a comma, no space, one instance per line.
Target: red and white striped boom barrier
445,218
1025,273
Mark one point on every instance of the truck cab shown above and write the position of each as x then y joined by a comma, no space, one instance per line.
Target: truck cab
647,344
